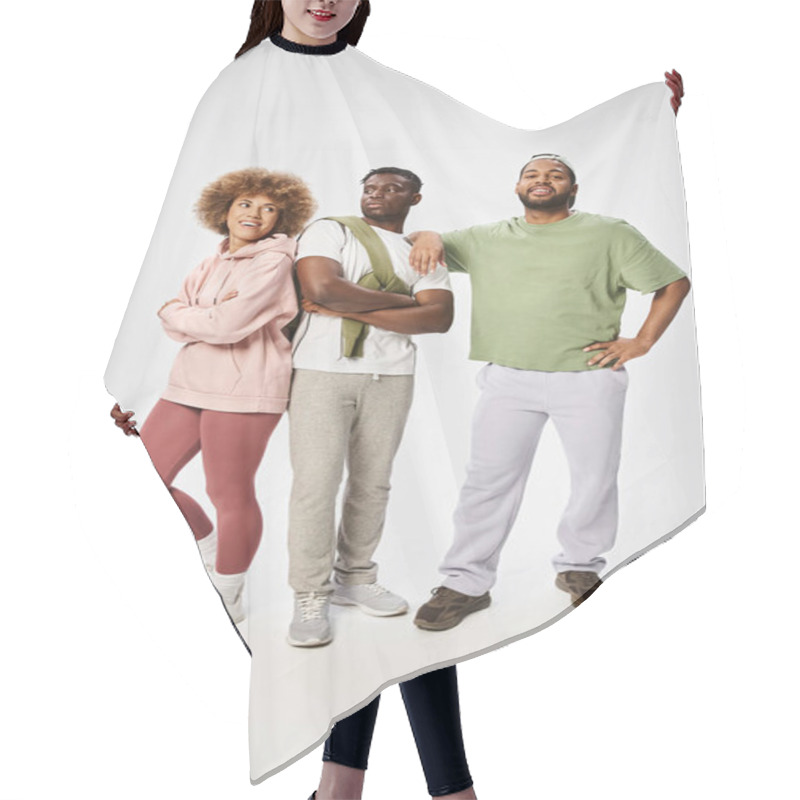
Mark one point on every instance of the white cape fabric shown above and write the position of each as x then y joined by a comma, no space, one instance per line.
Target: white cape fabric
330,119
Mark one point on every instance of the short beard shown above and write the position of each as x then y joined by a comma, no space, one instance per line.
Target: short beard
554,201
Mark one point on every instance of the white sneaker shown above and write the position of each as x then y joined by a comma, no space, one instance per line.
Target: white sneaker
310,625
231,589
371,598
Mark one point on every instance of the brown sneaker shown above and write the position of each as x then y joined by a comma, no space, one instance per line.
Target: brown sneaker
579,585
447,608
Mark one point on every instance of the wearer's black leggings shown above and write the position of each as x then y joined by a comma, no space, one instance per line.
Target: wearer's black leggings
432,706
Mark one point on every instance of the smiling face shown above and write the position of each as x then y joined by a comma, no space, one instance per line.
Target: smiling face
250,218
316,22
386,198
545,184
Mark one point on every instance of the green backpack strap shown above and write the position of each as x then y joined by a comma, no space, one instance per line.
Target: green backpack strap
382,278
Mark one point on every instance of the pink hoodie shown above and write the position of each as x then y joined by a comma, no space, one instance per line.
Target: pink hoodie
236,357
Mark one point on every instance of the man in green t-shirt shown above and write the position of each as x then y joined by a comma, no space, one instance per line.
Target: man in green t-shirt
548,291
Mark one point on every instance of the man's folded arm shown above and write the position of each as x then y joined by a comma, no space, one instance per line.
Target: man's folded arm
432,313
322,282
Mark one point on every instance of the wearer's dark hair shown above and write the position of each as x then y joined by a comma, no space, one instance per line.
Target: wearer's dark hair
416,183
548,156
266,19
289,193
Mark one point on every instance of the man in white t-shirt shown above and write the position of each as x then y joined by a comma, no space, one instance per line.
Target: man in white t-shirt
351,393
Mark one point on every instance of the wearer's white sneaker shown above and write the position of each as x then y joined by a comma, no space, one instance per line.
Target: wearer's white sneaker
310,626
371,598
231,589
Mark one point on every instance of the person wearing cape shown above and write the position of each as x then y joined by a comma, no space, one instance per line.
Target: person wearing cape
309,103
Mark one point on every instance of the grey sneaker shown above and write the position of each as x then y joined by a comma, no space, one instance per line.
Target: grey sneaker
579,585
310,625
447,608
371,598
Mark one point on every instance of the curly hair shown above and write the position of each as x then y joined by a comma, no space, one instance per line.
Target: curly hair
292,197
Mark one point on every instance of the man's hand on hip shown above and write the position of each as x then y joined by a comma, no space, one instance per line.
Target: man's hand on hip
620,349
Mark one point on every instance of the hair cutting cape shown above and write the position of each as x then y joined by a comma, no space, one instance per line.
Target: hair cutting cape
330,118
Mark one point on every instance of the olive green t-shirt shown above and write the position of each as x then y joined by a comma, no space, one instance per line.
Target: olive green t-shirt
541,293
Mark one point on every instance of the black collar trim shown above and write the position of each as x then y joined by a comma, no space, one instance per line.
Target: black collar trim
308,49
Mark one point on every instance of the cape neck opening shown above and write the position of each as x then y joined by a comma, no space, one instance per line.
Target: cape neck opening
308,49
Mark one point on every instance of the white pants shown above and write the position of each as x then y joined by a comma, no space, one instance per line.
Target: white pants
586,408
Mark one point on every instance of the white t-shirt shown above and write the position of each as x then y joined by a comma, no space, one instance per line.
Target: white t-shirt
318,341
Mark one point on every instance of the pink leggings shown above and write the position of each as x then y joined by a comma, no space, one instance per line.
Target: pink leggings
232,446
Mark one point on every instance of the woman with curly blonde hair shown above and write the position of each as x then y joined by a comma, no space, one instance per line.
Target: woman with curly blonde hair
230,381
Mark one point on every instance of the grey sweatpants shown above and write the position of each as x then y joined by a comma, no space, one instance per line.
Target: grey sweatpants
586,408
337,420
